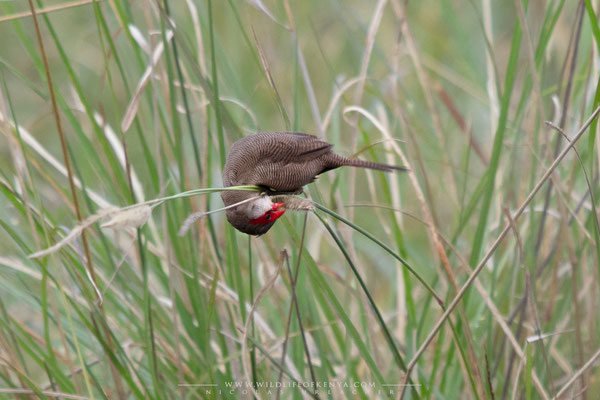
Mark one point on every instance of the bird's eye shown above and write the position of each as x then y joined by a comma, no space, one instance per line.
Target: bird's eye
268,217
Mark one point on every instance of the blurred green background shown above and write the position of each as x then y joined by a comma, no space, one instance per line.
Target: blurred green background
458,91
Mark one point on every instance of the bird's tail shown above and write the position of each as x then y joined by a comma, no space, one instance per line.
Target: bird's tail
354,162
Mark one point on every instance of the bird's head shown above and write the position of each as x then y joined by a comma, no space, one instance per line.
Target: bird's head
255,217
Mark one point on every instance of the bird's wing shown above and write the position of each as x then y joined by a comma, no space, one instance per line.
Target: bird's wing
283,161
297,147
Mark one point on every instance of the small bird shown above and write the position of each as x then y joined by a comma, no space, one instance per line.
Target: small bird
282,163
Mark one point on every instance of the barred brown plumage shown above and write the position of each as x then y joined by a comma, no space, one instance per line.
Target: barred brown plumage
280,162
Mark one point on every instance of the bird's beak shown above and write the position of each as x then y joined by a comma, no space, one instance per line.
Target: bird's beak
278,210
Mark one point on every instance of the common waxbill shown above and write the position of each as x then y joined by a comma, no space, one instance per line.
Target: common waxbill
280,162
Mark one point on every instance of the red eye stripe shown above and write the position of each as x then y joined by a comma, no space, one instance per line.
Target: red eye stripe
263,219
270,216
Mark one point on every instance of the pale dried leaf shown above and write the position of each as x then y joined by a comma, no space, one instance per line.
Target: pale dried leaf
143,82
129,218
74,233
535,338
39,149
139,38
259,4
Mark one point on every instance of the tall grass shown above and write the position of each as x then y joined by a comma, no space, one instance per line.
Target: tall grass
474,275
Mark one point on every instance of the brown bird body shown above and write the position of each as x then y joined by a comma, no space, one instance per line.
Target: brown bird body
279,162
